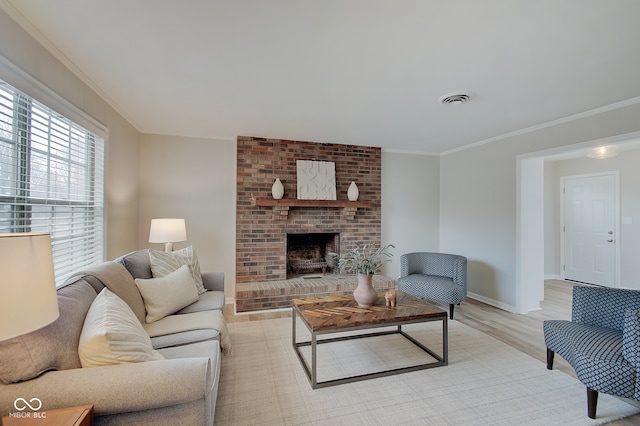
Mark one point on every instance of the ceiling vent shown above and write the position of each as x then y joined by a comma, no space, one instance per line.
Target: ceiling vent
454,98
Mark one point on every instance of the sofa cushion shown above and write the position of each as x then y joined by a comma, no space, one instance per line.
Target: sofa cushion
163,263
184,338
54,347
206,302
112,334
166,295
172,325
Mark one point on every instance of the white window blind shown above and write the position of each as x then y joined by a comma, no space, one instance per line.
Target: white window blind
51,180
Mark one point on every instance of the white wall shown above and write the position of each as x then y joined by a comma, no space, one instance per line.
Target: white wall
193,179
551,221
121,171
629,239
478,197
410,205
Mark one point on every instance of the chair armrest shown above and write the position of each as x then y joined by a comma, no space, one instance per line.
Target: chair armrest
213,280
460,272
631,338
117,388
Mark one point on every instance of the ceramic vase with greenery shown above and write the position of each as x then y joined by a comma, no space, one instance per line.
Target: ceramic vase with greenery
365,261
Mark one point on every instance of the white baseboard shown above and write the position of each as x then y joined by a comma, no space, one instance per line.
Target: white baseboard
492,302
553,277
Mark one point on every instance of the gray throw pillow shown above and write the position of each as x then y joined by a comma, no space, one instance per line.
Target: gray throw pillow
138,264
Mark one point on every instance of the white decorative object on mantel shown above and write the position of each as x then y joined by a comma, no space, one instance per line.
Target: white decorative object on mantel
316,180
277,189
353,192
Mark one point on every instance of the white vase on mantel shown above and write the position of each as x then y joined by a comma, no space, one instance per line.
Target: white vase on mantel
353,192
277,189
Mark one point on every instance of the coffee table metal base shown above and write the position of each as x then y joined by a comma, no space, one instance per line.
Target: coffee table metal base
311,370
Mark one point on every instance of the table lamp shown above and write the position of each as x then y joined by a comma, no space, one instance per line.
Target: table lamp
28,298
167,231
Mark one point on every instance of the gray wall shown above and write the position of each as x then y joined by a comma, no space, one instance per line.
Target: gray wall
410,205
478,197
193,179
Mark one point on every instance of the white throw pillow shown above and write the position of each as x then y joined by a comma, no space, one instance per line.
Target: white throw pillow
112,334
163,263
166,295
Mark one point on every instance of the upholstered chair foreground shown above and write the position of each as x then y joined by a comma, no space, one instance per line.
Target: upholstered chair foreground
601,342
438,277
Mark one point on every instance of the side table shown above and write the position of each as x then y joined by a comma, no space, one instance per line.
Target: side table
81,415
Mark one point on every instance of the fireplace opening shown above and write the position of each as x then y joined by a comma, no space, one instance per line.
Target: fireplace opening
308,254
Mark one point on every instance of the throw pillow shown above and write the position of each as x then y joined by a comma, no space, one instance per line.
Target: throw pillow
164,263
168,294
112,334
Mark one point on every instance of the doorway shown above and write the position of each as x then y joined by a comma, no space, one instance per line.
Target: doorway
589,228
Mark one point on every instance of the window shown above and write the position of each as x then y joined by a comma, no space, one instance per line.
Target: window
51,180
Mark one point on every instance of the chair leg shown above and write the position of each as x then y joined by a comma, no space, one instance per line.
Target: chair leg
592,402
550,355
451,307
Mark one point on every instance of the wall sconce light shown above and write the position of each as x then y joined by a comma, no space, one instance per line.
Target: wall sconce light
28,298
602,152
167,231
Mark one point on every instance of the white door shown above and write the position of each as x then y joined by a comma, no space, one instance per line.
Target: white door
590,229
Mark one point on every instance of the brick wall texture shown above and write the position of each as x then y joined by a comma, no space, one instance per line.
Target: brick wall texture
261,232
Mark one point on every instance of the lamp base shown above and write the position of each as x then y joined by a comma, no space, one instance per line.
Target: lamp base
168,246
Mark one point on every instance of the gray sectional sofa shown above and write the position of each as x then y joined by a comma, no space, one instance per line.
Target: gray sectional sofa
178,386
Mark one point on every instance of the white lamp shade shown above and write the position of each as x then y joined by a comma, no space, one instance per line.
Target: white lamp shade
167,230
28,297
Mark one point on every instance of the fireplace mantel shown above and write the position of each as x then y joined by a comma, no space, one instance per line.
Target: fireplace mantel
270,202
281,207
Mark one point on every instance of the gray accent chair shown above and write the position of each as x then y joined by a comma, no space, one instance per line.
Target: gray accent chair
601,342
438,277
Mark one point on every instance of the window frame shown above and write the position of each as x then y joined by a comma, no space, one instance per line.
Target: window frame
32,89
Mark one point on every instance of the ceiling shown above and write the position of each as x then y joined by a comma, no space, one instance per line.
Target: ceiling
362,72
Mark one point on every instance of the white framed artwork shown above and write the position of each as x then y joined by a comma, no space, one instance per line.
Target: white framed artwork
316,180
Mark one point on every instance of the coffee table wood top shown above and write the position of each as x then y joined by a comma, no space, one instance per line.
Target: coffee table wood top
341,311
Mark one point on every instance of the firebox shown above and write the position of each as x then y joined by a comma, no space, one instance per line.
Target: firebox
308,254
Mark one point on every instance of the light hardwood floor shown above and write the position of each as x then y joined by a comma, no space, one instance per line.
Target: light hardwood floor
523,332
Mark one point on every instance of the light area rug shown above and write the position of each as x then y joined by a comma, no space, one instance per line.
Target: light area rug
486,382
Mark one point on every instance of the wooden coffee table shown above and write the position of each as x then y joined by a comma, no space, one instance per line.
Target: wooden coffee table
340,313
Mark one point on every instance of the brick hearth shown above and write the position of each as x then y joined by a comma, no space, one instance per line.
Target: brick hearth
262,224
263,295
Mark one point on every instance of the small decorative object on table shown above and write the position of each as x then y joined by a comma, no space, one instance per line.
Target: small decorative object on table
365,261
390,297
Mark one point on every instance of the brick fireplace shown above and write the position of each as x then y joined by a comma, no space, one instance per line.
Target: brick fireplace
311,252
263,224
